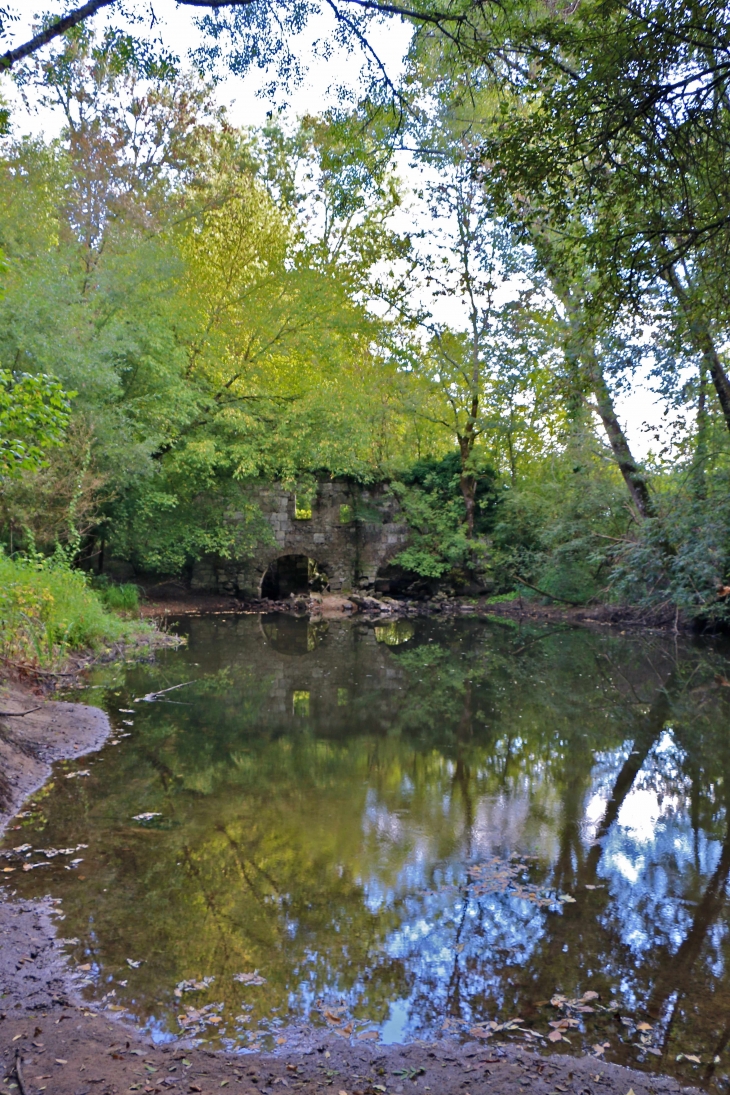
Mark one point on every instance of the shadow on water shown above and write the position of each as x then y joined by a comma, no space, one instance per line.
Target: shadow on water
439,827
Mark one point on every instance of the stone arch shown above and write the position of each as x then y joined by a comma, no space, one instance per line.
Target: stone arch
295,574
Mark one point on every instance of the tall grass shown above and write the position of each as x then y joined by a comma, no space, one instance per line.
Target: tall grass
48,610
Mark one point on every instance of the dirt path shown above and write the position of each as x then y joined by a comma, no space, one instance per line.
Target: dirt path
50,1040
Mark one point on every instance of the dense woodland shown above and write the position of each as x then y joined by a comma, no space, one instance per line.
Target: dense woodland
189,309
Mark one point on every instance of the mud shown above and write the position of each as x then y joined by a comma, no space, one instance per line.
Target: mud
174,599
52,1040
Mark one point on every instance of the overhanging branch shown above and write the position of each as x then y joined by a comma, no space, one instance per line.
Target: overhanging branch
85,11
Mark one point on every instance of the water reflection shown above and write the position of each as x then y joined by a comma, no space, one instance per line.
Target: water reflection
443,831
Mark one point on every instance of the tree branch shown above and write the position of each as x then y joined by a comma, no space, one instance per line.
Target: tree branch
53,30
80,14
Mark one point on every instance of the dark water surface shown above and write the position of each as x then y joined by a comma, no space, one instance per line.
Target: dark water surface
426,826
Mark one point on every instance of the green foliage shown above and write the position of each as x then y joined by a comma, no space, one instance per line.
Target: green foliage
34,412
558,531
48,610
433,505
681,558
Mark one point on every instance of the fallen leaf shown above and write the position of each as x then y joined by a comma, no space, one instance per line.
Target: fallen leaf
567,899
589,887
86,966
134,964
60,1061
644,1026
146,817
254,978
368,1035
554,1036
598,1050
16,1036
590,995
281,1041
342,1093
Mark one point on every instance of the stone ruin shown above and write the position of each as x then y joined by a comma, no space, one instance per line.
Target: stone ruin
338,541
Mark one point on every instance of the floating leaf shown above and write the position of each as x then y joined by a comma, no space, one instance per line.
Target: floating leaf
254,978
193,985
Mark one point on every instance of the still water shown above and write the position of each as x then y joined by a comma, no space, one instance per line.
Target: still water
403,830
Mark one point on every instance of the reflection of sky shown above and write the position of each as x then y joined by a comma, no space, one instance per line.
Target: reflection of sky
650,857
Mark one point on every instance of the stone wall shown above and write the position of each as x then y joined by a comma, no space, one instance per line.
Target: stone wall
353,532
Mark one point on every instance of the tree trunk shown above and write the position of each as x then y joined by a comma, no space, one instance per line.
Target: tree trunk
699,459
468,482
703,342
632,474
582,347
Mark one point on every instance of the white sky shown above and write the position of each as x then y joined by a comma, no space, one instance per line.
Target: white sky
247,107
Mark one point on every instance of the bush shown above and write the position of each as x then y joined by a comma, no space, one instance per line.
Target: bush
48,610
432,503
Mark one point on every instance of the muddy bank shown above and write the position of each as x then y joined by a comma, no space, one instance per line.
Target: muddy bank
177,601
36,732
52,1040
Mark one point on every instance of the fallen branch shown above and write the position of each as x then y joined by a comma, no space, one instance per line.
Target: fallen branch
552,596
19,1073
19,714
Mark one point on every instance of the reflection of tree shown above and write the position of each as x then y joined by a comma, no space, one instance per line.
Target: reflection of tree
336,854
647,734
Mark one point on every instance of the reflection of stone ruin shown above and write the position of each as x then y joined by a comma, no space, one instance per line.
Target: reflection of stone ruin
338,540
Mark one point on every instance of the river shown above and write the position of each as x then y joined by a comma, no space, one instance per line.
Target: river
431,826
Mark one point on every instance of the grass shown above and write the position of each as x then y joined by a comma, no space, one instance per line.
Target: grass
48,610
500,598
120,598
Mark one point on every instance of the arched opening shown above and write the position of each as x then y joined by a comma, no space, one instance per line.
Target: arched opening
292,574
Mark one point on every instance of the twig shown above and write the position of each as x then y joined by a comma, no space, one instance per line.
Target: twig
19,1073
552,596
19,714
152,696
